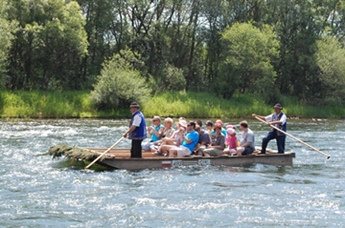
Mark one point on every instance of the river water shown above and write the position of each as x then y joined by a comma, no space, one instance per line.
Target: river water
37,191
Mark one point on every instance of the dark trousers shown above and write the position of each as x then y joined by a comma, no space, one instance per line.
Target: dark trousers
273,135
136,148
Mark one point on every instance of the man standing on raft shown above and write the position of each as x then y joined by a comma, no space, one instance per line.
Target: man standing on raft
278,119
137,130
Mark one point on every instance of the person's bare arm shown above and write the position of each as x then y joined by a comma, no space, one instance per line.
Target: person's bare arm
188,141
169,139
260,117
158,133
246,144
275,122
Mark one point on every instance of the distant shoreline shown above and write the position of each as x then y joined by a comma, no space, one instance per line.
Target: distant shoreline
77,104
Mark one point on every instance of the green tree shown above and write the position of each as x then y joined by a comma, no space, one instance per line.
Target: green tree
49,43
249,53
120,83
172,79
298,30
330,15
330,59
106,33
5,41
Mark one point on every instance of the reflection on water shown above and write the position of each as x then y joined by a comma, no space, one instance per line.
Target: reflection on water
37,191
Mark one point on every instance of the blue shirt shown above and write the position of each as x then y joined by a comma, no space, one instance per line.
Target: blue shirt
194,136
154,138
223,132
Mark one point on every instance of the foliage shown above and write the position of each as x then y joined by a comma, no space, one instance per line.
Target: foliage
120,83
73,152
61,45
247,64
172,79
43,104
49,43
297,26
6,28
331,61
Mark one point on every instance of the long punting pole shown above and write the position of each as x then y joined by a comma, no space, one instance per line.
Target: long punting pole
297,139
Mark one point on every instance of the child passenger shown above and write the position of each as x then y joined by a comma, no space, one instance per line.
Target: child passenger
227,140
231,141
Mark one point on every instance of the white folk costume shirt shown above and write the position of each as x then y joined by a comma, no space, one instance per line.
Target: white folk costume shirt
136,121
270,118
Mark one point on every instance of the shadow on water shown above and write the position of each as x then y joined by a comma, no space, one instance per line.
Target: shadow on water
79,165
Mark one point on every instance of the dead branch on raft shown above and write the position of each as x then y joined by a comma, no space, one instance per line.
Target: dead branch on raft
72,152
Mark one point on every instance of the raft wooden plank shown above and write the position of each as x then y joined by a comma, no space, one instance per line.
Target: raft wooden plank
155,162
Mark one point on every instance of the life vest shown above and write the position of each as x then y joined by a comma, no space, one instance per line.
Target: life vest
276,117
140,132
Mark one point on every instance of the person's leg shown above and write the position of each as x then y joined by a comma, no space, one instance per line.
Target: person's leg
233,152
146,146
165,148
132,148
173,152
182,152
240,150
265,141
213,152
281,143
248,150
155,149
136,150
208,152
226,151
219,152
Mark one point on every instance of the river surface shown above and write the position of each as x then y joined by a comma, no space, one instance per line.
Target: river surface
37,191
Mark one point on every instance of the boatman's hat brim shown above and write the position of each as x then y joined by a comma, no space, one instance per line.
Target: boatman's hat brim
279,106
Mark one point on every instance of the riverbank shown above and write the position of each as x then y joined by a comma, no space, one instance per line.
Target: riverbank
42,104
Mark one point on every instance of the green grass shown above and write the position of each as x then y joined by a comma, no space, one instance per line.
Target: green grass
41,104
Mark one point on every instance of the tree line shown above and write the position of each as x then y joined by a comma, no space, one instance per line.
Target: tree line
270,47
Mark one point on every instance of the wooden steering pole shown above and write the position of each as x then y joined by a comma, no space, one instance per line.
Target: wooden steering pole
99,157
297,139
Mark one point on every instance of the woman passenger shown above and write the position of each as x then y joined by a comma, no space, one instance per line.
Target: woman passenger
175,140
167,133
209,126
217,143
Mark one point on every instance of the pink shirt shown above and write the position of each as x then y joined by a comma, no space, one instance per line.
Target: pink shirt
232,142
178,137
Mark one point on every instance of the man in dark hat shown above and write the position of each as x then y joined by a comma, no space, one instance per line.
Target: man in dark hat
278,119
137,130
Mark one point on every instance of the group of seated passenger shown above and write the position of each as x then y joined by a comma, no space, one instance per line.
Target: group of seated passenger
190,139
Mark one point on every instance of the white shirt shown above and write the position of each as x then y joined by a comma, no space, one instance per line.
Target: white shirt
269,118
136,121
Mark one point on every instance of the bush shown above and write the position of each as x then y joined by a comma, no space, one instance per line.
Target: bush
330,59
120,83
249,53
174,79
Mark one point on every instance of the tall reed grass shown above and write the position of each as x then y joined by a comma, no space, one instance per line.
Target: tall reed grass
42,104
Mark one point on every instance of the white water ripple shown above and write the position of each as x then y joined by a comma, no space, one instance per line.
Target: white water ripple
37,191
